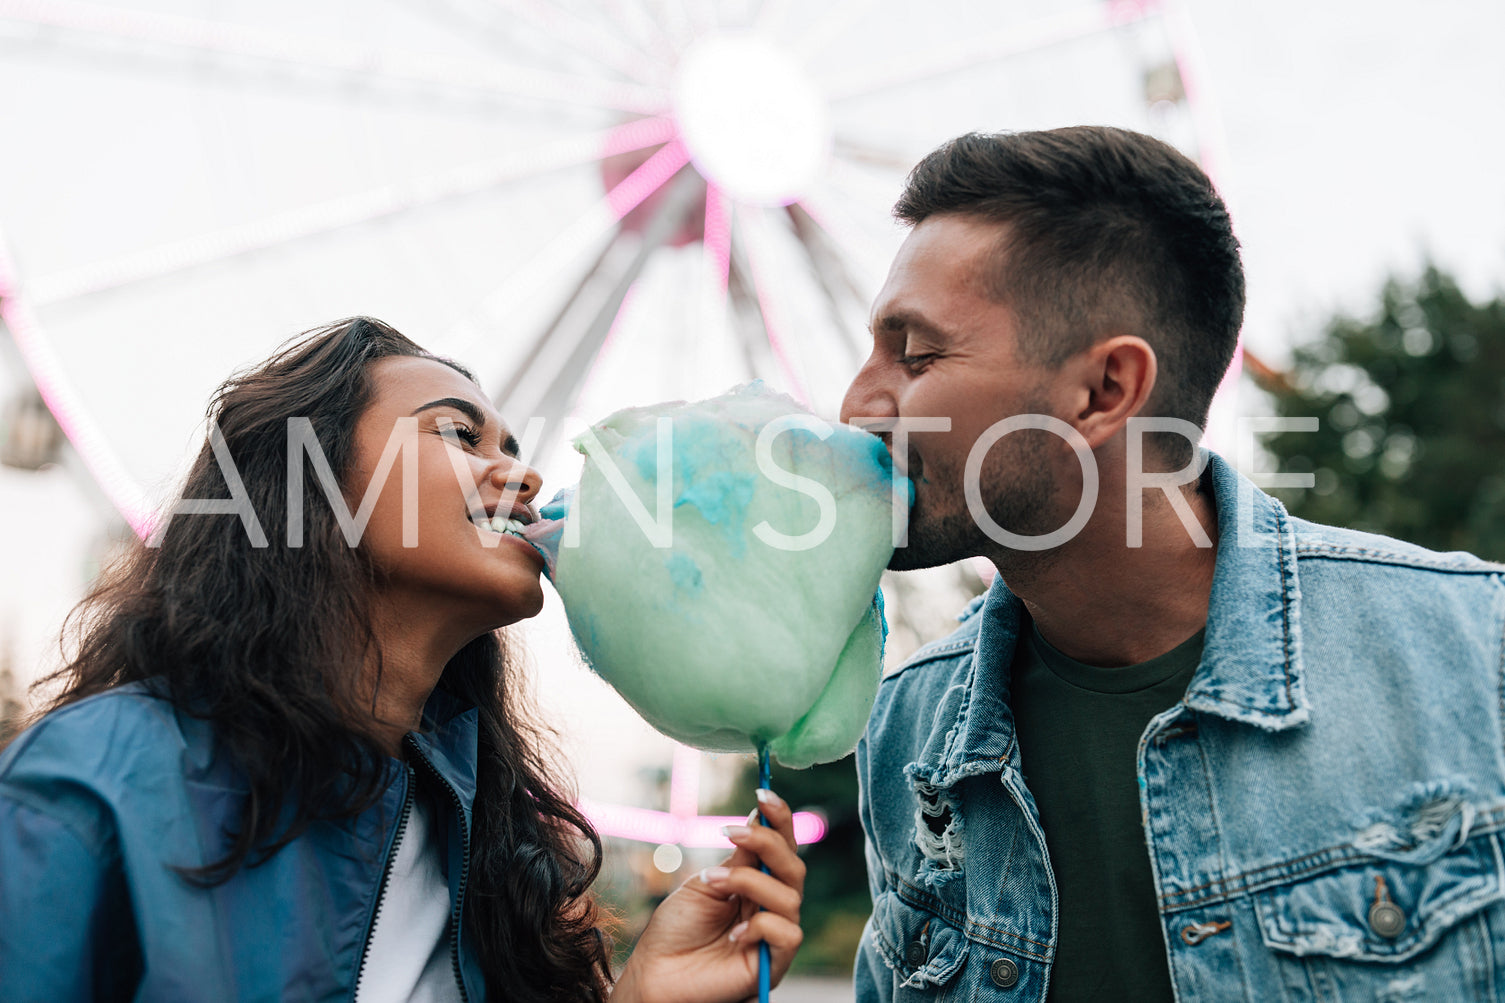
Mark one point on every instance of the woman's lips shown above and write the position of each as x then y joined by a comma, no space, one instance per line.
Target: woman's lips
545,535
533,552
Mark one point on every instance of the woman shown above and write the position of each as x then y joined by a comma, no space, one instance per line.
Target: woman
289,761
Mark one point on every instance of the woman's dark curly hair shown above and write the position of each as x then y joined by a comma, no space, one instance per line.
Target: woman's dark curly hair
268,643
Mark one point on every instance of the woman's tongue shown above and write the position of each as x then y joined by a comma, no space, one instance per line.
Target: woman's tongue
545,535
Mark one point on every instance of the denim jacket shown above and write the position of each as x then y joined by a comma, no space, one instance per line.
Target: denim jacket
100,800
1322,810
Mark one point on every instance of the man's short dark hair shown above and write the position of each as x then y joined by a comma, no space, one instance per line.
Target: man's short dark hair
1109,231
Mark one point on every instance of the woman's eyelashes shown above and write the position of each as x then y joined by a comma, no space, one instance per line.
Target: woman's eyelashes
475,437
465,433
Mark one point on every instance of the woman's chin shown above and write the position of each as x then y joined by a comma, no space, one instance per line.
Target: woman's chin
519,603
534,604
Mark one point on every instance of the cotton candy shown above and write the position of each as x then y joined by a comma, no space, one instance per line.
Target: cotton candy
726,636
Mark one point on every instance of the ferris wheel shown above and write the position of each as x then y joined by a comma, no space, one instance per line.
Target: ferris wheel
591,204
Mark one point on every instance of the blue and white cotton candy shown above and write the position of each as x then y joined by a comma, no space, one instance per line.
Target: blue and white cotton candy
727,584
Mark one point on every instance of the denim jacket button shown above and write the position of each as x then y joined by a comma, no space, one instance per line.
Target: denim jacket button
916,954
1004,973
1386,919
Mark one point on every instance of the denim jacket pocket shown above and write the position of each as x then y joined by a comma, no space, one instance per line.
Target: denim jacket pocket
1379,910
924,951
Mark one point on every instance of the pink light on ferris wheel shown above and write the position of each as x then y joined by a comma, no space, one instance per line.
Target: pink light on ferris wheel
718,236
647,179
63,400
647,826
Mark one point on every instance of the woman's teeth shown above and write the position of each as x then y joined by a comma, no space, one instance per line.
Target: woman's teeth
504,525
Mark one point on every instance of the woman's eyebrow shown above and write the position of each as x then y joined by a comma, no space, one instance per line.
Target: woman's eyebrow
510,445
465,407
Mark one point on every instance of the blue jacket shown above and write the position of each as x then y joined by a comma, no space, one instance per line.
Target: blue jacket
1322,810
100,801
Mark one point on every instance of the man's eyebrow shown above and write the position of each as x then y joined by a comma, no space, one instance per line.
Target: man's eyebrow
903,320
465,407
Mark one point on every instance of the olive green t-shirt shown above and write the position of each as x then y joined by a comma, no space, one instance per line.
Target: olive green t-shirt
1079,727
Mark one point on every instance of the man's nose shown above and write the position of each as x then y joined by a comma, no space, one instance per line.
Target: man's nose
867,397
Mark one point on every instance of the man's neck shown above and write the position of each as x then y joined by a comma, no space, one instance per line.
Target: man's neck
1104,603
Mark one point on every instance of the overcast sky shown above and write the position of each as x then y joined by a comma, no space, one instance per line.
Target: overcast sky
1356,138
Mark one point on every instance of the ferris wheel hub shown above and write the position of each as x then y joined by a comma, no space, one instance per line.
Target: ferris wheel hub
754,122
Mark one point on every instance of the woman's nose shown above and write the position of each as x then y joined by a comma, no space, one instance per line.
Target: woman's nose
513,475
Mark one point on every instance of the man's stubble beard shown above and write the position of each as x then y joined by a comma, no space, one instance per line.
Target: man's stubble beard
1017,491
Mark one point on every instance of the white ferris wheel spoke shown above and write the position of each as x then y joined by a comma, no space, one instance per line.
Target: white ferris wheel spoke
588,38
66,403
548,388
716,259
1080,22
826,256
846,234
863,153
873,190
703,16
1191,63
655,19
222,39
634,20
567,246
672,19
748,323
771,16
605,51
835,281
836,22
752,224
349,210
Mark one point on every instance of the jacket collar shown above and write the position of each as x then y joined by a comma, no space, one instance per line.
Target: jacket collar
1251,667
449,741
1251,658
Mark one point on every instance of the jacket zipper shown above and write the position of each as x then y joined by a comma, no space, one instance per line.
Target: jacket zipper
386,873
458,907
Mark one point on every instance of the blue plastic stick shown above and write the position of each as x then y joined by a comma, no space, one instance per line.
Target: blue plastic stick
765,962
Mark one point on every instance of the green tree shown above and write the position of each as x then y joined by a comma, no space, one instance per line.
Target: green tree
1411,406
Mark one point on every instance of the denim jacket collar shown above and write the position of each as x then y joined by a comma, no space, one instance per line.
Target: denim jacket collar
1251,659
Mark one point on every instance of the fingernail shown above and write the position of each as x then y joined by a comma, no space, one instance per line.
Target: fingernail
733,831
713,874
769,798
737,931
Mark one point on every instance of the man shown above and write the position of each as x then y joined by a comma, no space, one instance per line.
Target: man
1187,746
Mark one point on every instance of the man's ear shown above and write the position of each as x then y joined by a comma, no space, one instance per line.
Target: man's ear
1117,376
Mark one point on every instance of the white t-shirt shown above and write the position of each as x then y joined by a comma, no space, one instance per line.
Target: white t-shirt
407,957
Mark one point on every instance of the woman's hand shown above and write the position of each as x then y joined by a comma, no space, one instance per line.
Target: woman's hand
701,946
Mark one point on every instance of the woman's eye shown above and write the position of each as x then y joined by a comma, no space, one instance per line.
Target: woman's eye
464,433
